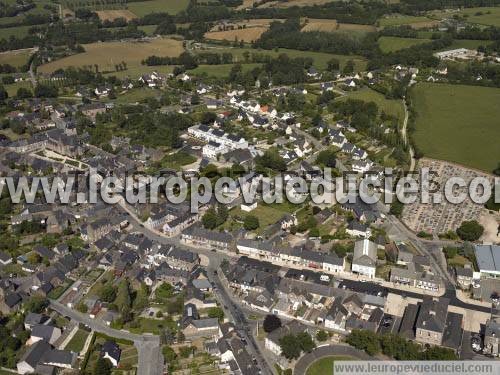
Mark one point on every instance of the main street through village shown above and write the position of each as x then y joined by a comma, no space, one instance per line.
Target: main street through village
149,346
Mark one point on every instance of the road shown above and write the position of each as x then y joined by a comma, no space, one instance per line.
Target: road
215,258
148,346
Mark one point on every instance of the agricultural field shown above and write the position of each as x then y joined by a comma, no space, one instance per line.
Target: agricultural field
390,106
293,3
16,58
247,35
108,54
111,15
489,16
330,26
142,8
458,123
325,25
416,22
320,59
391,43
324,365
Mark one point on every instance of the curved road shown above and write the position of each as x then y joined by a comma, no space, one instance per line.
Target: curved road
327,351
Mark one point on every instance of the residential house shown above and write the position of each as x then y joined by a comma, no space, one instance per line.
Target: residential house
365,258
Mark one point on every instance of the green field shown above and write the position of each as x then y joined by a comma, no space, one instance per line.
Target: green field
489,16
389,106
142,8
219,71
458,123
404,20
324,366
320,59
19,32
467,43
391,43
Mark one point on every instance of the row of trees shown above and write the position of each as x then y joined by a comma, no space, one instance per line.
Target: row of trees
396,347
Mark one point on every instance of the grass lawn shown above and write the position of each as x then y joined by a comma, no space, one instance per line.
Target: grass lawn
219,71
153,326
142,8
15,58
267,214
320,59
458,123
108,54
389,106
78,341
137,95
324,366
392,43
177,160
148,29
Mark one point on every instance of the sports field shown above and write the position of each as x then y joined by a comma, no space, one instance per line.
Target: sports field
458,123
108,54
392,43
141,8
324,366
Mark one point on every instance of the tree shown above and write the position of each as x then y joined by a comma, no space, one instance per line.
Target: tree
271,323
321,335
396,208
123,300
364,340
46,91
102,366
348,67
290,347
3,94
107,293
333,65
306,342
437,353
470,230
216,312
251,222
36,304
23,93
209,220
169,354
